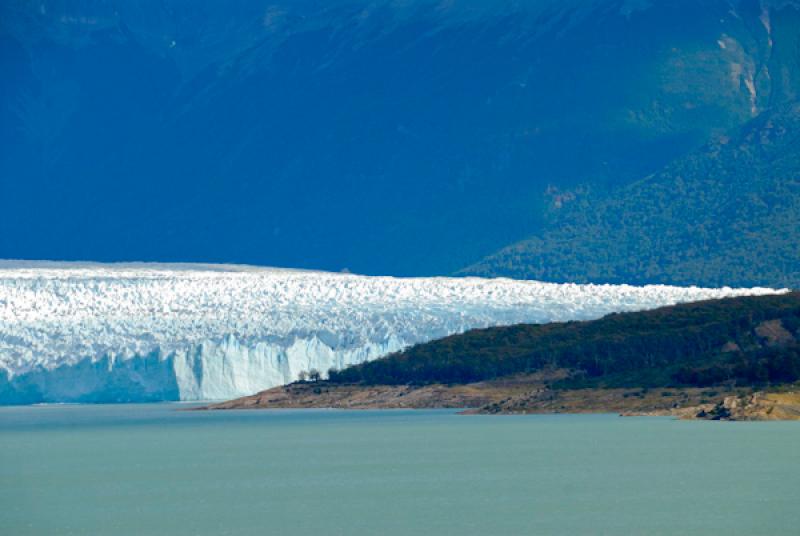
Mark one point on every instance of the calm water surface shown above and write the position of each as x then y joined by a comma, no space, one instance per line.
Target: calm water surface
149,469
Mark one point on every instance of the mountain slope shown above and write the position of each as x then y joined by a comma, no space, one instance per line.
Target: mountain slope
386,137
726,214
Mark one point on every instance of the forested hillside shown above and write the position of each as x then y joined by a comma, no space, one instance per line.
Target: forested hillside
402,138
727,214
746,341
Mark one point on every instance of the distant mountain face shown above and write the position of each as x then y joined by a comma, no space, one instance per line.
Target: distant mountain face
728,214
387,137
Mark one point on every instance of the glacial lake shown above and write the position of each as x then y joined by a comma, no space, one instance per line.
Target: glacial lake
151,470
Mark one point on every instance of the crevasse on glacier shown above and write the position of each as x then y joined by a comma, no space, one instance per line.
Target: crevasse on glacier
73,332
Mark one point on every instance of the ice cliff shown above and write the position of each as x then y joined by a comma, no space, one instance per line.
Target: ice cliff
73,332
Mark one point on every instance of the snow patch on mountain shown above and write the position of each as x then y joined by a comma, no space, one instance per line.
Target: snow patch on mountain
87,332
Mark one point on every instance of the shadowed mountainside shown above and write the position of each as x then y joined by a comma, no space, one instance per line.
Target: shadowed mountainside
727,214
387,137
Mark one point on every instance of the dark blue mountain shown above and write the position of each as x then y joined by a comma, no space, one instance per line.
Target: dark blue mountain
401,137
726,214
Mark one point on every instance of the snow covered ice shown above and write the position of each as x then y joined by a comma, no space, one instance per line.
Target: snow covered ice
74,332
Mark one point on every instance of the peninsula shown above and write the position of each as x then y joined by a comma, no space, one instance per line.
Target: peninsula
726,359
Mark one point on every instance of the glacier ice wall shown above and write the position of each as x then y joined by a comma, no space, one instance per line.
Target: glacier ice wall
79,332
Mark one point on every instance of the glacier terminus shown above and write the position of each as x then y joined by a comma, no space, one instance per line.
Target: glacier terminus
86,332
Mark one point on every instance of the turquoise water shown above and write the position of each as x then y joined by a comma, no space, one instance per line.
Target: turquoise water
148,469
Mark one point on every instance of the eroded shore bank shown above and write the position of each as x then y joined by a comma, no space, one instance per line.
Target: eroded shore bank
530,394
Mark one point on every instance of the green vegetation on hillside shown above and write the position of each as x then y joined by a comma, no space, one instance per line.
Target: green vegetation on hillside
391,137
746,340
728,214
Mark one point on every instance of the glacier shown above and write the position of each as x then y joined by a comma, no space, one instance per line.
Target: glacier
136,332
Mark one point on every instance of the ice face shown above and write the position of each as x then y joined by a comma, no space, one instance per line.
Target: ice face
143,332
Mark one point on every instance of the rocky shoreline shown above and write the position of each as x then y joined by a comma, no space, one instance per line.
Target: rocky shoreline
757,406
526,395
